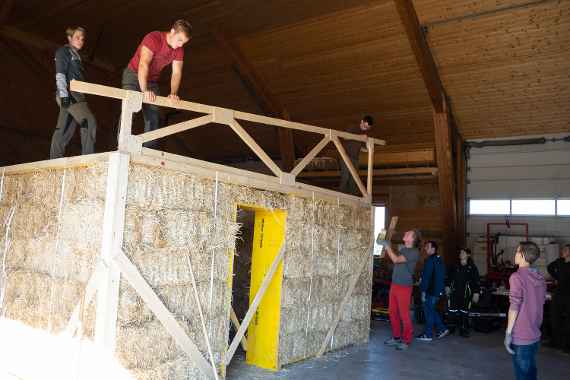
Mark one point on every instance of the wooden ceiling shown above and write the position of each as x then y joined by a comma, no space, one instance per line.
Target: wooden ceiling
503,64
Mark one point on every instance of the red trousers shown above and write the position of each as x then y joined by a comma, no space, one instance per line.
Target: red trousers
399,310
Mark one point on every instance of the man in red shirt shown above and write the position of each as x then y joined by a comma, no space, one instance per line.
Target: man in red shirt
156,51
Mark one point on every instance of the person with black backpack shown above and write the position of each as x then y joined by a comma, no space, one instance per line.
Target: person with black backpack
463,291
432,286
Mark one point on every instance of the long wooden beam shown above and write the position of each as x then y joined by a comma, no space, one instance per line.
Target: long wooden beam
268,101
421,50
118,93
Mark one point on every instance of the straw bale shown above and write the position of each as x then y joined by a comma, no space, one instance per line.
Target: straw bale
169,266
314,341
31,220
297,263
38,255
321,316
82,224
28,300
325,289
41,187
293,319
295,292
86,184
148,345
292,347
299,209
356,308
179,368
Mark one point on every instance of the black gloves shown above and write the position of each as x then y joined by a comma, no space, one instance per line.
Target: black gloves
65,102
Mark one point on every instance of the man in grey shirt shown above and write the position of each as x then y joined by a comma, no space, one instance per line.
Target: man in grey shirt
401,288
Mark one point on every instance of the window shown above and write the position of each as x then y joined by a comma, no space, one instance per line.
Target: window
379,224
489,207
563,207
533,207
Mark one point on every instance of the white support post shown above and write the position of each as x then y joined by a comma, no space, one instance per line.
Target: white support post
370,146
113,225
130,104
143,289
90,289
255,304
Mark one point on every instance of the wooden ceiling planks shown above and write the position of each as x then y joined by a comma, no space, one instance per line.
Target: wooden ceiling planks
503,64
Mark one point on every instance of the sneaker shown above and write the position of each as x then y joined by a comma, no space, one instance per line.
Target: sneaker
424,338
392,341
442,334
402,346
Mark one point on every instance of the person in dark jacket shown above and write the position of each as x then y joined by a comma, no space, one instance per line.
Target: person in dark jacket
559,270
73,109
463,291
353,148
432,287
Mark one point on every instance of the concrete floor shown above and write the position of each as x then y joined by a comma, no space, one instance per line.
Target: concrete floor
481,356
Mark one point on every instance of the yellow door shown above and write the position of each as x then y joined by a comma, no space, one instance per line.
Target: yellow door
263,332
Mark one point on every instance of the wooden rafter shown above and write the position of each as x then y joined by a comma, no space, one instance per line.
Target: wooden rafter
421,50
43,44
267,101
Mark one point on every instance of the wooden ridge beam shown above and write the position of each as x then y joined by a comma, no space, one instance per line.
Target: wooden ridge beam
421,50
266,100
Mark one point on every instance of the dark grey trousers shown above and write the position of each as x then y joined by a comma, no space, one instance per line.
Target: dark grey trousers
69,119
151,113
347,184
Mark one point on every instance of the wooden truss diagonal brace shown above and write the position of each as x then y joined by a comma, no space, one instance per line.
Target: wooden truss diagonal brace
370,146
352,285
255,304
175,128
349,165
309,157
242,133
143,289
235,321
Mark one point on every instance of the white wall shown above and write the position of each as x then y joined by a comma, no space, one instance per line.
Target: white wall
524,171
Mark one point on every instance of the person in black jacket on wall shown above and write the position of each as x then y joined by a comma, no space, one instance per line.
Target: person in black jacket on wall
462,290
559,270
73,109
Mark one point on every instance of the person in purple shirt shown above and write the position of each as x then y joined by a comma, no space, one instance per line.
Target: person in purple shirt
527,297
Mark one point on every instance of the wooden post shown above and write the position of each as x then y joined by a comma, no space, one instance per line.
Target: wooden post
460,168
370,147
446,181
131,103
113,225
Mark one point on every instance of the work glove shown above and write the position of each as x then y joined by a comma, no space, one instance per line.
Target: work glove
383,243
475,297
65,102
508,343
424,297
447,291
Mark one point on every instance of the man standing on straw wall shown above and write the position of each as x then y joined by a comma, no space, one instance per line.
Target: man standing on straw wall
401,288
156,51
73,109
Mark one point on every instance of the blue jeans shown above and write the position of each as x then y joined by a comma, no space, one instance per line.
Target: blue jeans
524,361
432,316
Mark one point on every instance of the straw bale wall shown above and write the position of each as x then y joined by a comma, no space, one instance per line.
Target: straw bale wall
50,243
174,218
175,221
